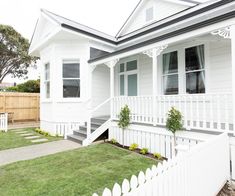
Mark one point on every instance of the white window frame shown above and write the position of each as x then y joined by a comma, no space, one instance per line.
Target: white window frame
47,80
170,74
126,74
205,45
78,78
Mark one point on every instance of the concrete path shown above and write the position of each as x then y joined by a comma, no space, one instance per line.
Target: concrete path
34,151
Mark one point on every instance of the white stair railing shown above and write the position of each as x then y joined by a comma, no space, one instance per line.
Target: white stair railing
93,111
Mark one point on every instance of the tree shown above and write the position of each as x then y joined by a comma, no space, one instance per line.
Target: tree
124,120
31,86
174,122
14,58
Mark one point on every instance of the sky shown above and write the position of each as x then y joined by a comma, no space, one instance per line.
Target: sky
104,15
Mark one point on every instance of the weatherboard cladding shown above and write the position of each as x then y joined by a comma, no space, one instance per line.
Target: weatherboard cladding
147,30
169,35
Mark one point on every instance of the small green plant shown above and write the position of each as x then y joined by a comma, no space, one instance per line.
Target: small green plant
124,120
40,131
113,141
144,151
174,122
133,147
157,155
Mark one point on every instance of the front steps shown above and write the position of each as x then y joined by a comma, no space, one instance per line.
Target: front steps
81,134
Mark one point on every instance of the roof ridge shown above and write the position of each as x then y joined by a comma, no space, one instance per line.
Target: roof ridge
49,13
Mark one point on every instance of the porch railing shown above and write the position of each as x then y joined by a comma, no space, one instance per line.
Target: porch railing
200,111
3,122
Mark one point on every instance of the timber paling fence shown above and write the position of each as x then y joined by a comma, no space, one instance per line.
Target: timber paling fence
20,106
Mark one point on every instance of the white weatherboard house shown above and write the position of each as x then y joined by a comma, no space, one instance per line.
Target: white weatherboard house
168,53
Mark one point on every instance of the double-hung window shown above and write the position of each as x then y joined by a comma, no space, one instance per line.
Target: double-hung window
195,69
170,73
71,79
47,80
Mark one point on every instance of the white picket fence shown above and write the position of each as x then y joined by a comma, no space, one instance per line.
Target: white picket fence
201,171
156,139
3,122
200,111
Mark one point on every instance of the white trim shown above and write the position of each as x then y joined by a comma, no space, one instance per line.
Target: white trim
192,34
127,73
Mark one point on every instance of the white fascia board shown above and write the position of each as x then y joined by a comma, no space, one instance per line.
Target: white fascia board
181,2
139,5
169,41
49,37
170,27
176,16
87,37
43,14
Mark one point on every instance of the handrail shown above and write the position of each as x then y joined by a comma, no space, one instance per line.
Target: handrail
100,105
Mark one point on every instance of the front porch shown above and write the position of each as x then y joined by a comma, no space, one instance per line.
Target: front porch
194,75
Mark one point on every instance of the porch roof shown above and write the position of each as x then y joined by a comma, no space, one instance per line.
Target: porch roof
171,29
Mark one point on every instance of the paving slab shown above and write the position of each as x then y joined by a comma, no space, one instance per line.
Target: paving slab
26,134
39,140
35,151
32,137
21,132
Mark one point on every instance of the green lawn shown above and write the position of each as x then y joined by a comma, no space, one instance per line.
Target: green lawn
77,172
11,139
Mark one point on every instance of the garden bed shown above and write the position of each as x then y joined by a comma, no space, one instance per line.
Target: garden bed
138,151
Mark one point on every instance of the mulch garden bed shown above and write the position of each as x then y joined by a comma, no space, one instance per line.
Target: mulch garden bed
137,150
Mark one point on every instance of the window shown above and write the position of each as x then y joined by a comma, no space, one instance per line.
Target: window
149,14
195,69
128,78
47,80
71,79
170,73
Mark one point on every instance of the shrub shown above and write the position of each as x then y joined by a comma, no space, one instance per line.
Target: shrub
113,141
144,151
124,120
157,155
133,147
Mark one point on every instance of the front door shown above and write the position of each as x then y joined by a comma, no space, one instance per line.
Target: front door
128,79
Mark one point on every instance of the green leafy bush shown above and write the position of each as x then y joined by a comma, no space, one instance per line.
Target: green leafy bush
113,141
144,151
157,155
133,146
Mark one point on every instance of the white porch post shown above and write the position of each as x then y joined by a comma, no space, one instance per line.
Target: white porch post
232,36
111,65
154,53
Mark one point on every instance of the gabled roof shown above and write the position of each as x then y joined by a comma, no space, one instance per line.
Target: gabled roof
138,6
75,26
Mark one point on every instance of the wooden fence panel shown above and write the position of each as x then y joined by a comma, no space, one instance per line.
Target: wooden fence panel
24,106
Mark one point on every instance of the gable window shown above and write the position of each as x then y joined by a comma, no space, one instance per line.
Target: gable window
128,78
195,69
71,79
149,14
47,80
170,73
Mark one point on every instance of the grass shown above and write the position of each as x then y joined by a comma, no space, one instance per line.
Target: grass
11,139
78,172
